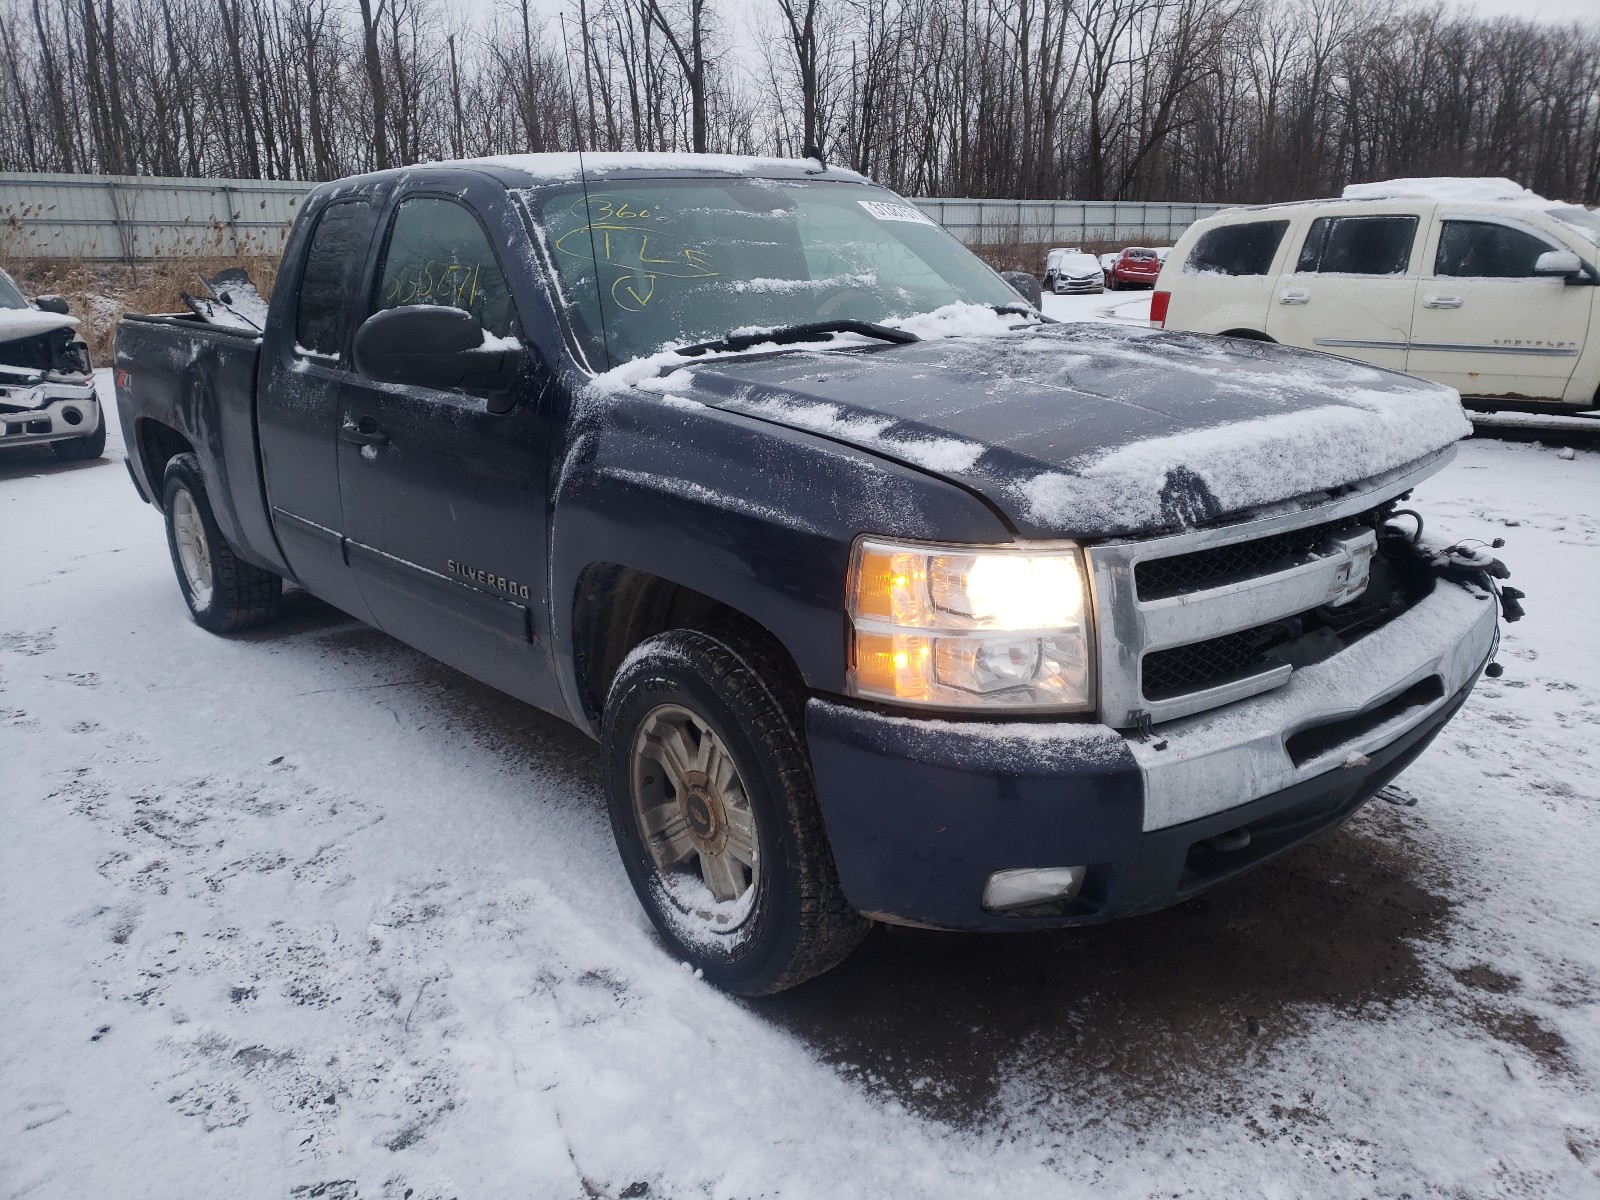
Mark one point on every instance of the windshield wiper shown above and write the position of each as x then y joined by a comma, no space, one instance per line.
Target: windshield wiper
1021,310
810,331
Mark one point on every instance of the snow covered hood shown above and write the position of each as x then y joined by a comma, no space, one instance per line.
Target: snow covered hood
30,322
1094,430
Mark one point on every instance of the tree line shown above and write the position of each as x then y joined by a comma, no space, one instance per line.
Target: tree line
1220,100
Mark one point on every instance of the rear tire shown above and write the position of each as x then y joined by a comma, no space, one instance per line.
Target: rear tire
81,449
715,811
224,593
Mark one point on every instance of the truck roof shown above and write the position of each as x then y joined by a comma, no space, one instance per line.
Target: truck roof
526,170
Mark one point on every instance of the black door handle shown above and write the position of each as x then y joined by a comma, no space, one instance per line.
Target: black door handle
364,432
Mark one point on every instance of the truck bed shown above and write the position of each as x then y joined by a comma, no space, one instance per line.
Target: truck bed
185,383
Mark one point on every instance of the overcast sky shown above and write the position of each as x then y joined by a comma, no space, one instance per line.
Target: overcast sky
1549,10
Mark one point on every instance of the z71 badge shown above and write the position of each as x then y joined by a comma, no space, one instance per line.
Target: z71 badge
511,586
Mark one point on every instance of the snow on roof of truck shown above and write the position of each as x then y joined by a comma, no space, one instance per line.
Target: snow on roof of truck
542,167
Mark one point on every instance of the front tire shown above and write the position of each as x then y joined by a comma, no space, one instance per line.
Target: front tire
224,593
715,811
81,449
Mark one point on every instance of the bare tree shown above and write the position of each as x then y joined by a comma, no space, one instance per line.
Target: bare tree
1229,100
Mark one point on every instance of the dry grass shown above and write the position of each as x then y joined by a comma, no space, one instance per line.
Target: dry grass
99,292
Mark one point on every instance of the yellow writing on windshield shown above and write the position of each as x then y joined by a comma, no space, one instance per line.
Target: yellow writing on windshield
637,244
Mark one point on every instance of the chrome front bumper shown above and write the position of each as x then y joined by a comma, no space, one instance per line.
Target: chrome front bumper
48,423
1202,765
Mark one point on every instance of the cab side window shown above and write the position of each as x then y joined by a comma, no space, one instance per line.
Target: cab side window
1244,249
1358,246
1482,250
333,260
439,254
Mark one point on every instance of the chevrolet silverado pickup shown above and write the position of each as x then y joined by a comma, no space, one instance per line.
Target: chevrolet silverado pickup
886,598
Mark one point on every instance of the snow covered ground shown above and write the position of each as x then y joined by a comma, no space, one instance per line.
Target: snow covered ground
1131,308
303,914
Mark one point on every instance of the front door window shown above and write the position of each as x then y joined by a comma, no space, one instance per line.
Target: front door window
439,254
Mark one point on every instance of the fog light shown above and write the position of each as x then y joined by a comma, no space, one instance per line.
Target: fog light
72,416
1031,885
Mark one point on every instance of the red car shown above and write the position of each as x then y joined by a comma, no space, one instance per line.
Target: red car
1137,267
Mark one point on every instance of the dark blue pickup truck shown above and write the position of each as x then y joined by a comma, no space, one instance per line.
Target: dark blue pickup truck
888,598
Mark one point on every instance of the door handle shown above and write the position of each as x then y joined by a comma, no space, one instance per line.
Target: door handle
1433,300
1294,296
364,432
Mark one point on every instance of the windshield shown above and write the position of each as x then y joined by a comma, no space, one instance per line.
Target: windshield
691,260
10,297
1582,219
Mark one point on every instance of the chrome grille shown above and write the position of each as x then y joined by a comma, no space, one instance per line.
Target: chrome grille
1186,621
1159,578
1182,669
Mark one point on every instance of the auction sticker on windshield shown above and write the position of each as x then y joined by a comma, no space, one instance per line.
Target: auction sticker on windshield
895,212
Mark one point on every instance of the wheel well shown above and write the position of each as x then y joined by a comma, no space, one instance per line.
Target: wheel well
158,445
1250,335
615,608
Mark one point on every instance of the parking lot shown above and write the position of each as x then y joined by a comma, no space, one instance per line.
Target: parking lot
303,913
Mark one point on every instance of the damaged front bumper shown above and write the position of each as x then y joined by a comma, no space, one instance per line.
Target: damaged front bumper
921,814
47,412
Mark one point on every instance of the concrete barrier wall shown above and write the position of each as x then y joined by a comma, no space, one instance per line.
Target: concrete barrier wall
112,218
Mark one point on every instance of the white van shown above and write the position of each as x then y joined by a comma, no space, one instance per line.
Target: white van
1476,283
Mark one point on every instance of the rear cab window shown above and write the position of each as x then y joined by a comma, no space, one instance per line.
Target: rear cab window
334,258
1247,248
1358,245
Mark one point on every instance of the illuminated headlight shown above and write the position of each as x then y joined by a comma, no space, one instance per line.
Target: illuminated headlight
969,627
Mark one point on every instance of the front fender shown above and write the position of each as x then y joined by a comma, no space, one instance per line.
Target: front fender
755,515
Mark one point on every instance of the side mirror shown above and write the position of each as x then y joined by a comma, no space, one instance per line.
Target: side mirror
51,304
1024,285
1558,262
432,346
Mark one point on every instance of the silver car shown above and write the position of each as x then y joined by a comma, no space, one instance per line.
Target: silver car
1077,273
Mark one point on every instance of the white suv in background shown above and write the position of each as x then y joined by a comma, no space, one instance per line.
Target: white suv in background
1476,283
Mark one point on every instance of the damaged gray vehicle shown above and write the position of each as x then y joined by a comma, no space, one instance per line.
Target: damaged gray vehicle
47,392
